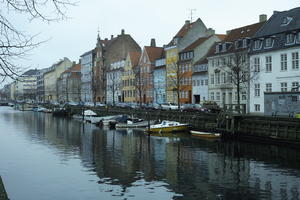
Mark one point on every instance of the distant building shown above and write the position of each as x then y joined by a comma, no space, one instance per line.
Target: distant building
228,65
129,77
274,56
189,33
51,76
159,80
26,86
115,56
40,84
87,61
69,85
144,79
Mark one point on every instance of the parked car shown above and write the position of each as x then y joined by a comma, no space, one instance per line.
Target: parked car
98,104
169,106
89,104
192,108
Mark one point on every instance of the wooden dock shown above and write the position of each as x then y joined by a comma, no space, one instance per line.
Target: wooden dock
3,194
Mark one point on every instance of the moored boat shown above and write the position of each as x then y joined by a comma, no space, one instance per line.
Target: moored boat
206,135
167,127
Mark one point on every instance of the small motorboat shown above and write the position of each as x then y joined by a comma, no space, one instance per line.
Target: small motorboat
135,124
206,135
167,127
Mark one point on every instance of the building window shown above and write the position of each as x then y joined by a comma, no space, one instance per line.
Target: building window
217,78
217,96
256,64
295,86
283,86
194,83
257,44
290,39
212,96
212,79
283,62
268,87
295,60
206,81
298,37
244,95
202,82
223,77
257,107
198,82
257,90
268,63
268,43
245,42
229,74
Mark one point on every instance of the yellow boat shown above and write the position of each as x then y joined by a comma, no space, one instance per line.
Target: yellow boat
205,135
168,127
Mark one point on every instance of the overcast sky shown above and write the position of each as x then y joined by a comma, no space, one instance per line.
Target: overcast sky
143,19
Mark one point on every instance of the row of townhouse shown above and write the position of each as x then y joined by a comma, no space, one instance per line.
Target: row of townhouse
244,67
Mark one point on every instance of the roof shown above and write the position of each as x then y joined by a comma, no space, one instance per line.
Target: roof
234,35
31,72
201,61
195,44
275,24
182,32
154,52
243,32
134,58
74,68
221,36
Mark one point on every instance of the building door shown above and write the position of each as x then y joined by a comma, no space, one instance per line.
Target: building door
197,99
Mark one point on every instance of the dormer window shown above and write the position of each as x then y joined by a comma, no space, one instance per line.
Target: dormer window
218,48
257,44
268,43
224,47
290,39
286,21
245,43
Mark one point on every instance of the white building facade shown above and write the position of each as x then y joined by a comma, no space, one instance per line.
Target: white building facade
86,76
275,57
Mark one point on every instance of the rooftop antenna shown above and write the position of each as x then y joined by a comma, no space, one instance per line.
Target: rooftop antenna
191,14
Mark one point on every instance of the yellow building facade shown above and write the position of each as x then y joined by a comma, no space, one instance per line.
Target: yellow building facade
128,77
171,67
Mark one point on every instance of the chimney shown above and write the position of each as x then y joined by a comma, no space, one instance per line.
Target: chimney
275,12
105,39
227,32
112,37
153,44
187,22
122,31
263,18
210,31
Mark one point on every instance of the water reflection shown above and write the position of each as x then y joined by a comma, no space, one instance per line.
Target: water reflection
126,164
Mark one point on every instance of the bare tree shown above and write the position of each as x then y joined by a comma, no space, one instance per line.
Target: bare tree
114,83
241,73
175,79
15,44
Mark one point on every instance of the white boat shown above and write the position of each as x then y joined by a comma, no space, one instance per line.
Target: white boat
167,127
206,135
130,124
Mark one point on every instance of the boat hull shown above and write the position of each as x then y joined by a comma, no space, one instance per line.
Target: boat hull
181,128
205,135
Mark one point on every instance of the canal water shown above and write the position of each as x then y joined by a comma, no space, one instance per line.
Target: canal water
45,158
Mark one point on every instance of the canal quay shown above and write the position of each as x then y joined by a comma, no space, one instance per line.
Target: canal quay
43,157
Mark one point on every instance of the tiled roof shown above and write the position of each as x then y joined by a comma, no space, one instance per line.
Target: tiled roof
243,32
221,36
234,35
275,24
195,44
154,52
134,57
